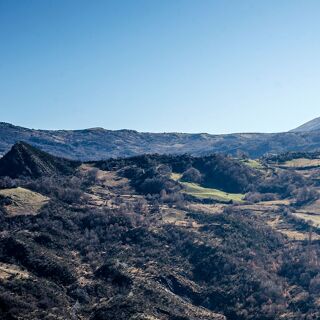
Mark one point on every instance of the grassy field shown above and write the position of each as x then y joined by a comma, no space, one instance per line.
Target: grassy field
255,164
313,218
176,176
208,193
198,191
302,163
8,271
23,201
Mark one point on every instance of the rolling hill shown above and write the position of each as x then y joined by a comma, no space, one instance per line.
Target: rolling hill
160,237
98,143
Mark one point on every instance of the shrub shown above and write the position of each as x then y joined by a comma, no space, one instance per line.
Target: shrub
192,175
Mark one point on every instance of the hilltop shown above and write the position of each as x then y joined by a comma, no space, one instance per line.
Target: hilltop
24,160
311,125
97,143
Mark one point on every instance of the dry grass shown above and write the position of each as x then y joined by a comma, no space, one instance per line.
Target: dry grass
207,208
23,201
7,271
106,178
110,190
178,217
255,164
313,208
309,217
301,163
285,202
269,211
297,235
176,176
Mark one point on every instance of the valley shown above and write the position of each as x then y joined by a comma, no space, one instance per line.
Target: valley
159,160
159,237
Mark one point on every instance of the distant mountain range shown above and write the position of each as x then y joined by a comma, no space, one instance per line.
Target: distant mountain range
98,143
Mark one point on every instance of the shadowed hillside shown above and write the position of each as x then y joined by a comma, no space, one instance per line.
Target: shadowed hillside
23,160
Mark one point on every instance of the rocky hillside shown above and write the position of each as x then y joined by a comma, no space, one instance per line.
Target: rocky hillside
161,237
98,143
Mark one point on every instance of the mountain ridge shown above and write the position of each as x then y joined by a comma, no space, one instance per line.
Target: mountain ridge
98,143
311,125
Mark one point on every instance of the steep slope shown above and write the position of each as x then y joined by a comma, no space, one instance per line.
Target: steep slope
309,126
98,143
24,160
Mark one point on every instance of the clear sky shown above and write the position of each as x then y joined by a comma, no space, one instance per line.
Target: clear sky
160,65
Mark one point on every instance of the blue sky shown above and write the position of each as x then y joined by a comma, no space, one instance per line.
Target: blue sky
160,65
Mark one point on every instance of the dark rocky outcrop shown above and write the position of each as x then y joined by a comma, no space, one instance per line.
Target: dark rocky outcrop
23,160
